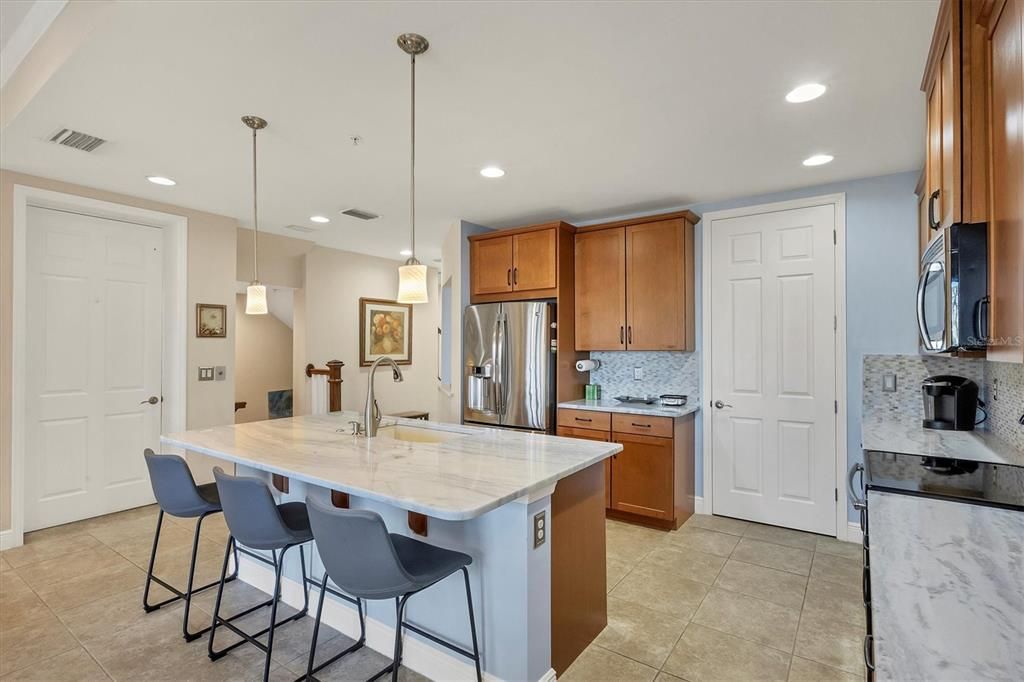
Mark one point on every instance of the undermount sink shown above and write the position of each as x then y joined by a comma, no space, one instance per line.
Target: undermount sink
414,434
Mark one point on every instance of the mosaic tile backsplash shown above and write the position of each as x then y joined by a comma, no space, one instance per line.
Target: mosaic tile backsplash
1001,384
663,372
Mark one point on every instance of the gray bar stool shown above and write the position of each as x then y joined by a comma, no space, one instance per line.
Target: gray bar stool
257,522
177,494
362,558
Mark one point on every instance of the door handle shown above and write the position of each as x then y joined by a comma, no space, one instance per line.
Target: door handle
719,404
629,334
856,500
508,276
932,222
622,335
151,400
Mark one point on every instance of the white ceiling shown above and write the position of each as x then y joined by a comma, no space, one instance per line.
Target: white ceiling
594,109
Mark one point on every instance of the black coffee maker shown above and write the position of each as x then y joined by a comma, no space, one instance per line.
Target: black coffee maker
950,403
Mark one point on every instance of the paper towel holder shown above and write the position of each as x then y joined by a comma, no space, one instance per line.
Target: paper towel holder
587,365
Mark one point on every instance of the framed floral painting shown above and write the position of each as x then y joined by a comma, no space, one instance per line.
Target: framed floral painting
385,330
211,321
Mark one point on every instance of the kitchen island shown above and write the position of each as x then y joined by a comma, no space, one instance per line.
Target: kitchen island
540,598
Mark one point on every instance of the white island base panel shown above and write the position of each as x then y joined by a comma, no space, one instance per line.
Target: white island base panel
511,582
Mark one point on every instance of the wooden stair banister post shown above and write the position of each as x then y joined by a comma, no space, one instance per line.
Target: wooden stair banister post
334,381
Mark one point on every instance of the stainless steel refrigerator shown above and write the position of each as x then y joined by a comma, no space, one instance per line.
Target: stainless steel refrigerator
509,365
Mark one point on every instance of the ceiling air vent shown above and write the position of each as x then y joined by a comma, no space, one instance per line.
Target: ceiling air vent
359,213
76,140
300,228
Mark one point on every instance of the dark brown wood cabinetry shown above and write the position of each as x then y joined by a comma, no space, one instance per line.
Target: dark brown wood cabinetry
652,480
635,284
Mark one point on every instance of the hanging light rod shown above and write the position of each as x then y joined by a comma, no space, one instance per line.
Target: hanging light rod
255,293
412,277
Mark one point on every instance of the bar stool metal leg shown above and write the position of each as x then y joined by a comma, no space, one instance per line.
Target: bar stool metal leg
472,625
310,670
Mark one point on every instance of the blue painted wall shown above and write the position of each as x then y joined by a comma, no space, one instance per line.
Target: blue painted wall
881,278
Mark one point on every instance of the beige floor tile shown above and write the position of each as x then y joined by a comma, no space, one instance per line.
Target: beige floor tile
843,602
26,645
782,536
848,550
691,564
749,618
706,654
803,670
214,529
617,570
665,677
238,596
773,556
600,665
49,546
291,640
640,633
629,543
719,524
831,641
663,590
110,530
4,566
82,589
43,573
710,542
836,569
76,665
19,605
359,665
98,619
778,587
174,539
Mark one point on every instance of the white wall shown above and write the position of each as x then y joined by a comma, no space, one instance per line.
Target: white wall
263,360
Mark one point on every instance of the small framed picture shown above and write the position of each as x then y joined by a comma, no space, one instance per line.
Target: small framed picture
211,321
385,329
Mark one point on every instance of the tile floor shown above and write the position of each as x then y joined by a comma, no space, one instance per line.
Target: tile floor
719,599
722,599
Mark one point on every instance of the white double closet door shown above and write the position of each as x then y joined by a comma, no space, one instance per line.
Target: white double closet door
773,382
93,350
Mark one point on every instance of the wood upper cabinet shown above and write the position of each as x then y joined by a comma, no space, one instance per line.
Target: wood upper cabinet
534,260
956,149
523,260
635,283
491,260
601,290
1004,25
642,476
924,232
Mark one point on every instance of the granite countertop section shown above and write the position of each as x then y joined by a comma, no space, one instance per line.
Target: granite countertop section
608,405
905,435
471,471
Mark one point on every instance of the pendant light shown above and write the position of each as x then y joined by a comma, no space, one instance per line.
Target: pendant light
255,293
412,277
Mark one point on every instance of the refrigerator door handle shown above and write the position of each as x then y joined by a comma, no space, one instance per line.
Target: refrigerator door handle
498,351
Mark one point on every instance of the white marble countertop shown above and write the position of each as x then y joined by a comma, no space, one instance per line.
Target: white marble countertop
472,471
611,405
906,435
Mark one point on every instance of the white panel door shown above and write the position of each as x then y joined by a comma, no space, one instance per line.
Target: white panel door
94,321
773,381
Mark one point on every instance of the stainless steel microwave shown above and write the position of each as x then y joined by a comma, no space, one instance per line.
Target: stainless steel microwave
952,291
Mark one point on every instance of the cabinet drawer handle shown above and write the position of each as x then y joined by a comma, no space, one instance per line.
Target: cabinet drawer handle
622,335
582,419
869,657
642,426
629,334
508,276
515,275
932,222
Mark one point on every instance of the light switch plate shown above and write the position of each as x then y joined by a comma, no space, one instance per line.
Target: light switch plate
638,373
220,372
206,374
889,383
540,529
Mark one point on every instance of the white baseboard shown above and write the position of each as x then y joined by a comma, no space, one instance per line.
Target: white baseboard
8,539
416,653
853,532
698,506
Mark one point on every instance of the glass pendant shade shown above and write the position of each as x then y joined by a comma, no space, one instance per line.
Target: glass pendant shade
412,283
256,299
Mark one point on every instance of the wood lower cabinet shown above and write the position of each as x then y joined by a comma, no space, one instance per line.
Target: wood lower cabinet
652,480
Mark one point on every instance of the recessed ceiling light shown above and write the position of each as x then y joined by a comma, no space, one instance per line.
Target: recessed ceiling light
319,219
405,252
161,180
818,160
491,172
805,93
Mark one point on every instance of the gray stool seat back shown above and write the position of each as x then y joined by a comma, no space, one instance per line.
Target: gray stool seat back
253,517
366,561
175,489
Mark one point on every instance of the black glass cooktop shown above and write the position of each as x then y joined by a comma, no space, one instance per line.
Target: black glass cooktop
998,485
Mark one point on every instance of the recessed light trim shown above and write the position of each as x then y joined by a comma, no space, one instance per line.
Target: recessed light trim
818,160
805,93
492,172
319,219
161,180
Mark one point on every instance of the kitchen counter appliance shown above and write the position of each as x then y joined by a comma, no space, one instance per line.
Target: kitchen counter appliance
950,403
952,291
509,365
